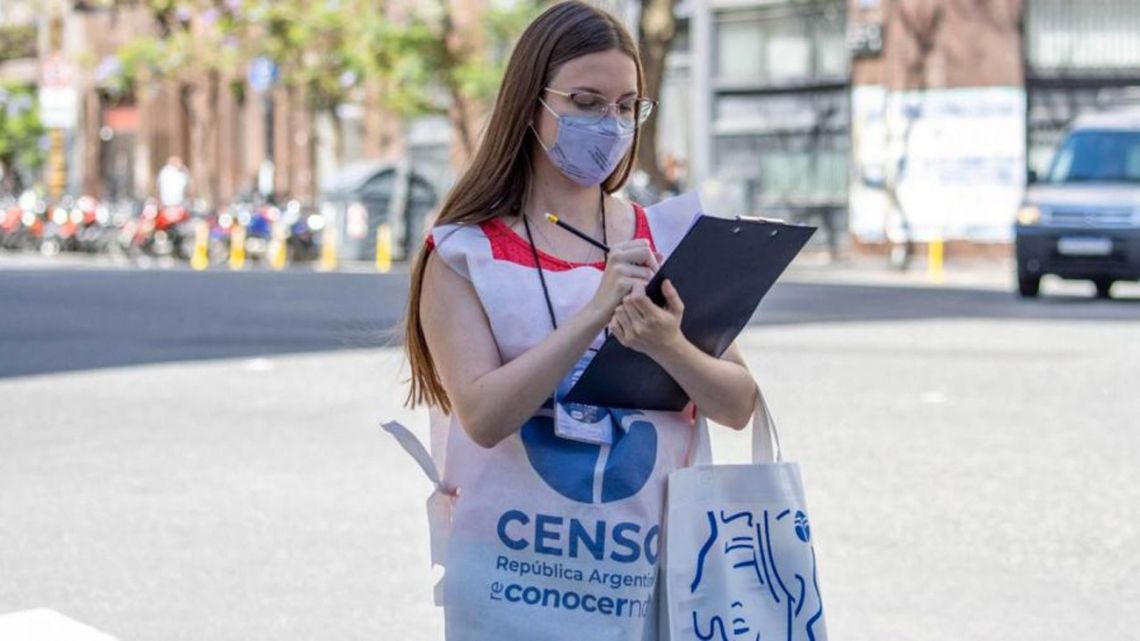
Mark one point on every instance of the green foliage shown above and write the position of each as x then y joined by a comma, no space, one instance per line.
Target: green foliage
20,129
18,41
330,47
429,65
311,41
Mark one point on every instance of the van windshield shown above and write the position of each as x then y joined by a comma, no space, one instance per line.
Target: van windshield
1097,156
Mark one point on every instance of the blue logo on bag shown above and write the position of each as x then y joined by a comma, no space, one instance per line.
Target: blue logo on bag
569,467
803,530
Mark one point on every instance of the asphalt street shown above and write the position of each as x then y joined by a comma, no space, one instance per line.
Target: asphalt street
197,456
59,320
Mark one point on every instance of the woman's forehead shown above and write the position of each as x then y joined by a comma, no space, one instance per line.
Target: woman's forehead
611,73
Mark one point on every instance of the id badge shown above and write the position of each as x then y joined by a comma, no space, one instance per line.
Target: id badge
577,421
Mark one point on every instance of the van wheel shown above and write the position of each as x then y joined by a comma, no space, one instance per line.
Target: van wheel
1103,287
1028,286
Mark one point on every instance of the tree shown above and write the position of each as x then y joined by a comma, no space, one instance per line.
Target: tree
924,58
319,57
920,22
427,59
430,63
193,48
20,134
657,27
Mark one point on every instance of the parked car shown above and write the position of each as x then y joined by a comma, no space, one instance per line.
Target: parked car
1081,219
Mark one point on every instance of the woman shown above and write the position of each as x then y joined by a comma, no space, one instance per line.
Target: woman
554,533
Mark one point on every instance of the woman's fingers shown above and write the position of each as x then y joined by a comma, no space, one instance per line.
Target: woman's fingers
654,263
641,305
633,243
632,303
631,284
621,323
635,271
617,331
672,298
635,251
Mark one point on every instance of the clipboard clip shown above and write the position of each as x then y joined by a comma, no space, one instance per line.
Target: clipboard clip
760,219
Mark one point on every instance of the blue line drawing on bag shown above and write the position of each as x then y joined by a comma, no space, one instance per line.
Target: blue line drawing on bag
766,548
819,613
714,623
588,472
739,626
701,555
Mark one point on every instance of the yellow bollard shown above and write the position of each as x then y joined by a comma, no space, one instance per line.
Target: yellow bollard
384,248
200,258
934,267
278,247
237,246
328,249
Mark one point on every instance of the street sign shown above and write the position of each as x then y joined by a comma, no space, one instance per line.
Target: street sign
57,71
59,107
262,73
865,40
59,102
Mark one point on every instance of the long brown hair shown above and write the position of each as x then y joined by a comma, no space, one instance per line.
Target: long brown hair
499,176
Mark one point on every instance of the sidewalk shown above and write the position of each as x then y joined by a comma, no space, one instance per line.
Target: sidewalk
70,261
875,271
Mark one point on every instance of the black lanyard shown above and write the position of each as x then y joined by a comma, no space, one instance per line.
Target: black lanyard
538,265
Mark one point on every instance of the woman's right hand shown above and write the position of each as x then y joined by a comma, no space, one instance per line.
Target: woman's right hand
629,267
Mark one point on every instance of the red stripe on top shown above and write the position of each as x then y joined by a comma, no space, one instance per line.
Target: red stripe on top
507,245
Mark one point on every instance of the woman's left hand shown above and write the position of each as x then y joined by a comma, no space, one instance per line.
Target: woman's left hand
639,324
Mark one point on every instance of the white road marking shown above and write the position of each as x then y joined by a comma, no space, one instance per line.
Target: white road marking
44,624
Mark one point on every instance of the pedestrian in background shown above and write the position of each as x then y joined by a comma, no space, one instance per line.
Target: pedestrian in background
173,183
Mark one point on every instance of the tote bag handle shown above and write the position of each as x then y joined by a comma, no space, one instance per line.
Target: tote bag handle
765,439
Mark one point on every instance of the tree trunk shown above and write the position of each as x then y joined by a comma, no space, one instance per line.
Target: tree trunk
460,113
656,29
921,30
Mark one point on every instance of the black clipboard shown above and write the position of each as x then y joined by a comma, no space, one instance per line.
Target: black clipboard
722,268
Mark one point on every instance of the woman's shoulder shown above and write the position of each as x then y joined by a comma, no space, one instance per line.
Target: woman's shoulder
456,236
457,243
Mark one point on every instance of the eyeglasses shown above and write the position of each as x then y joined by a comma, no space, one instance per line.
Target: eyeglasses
631,112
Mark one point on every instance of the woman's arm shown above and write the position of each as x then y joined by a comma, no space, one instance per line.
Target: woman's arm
723,388
491,399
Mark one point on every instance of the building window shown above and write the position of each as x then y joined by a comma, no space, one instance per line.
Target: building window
787,169
782,44
799,111
1082,34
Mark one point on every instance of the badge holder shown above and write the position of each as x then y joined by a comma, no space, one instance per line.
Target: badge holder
579,422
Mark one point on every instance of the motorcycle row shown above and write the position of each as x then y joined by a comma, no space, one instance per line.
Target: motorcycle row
145,231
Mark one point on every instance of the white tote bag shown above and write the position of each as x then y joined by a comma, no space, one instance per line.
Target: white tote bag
739,561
